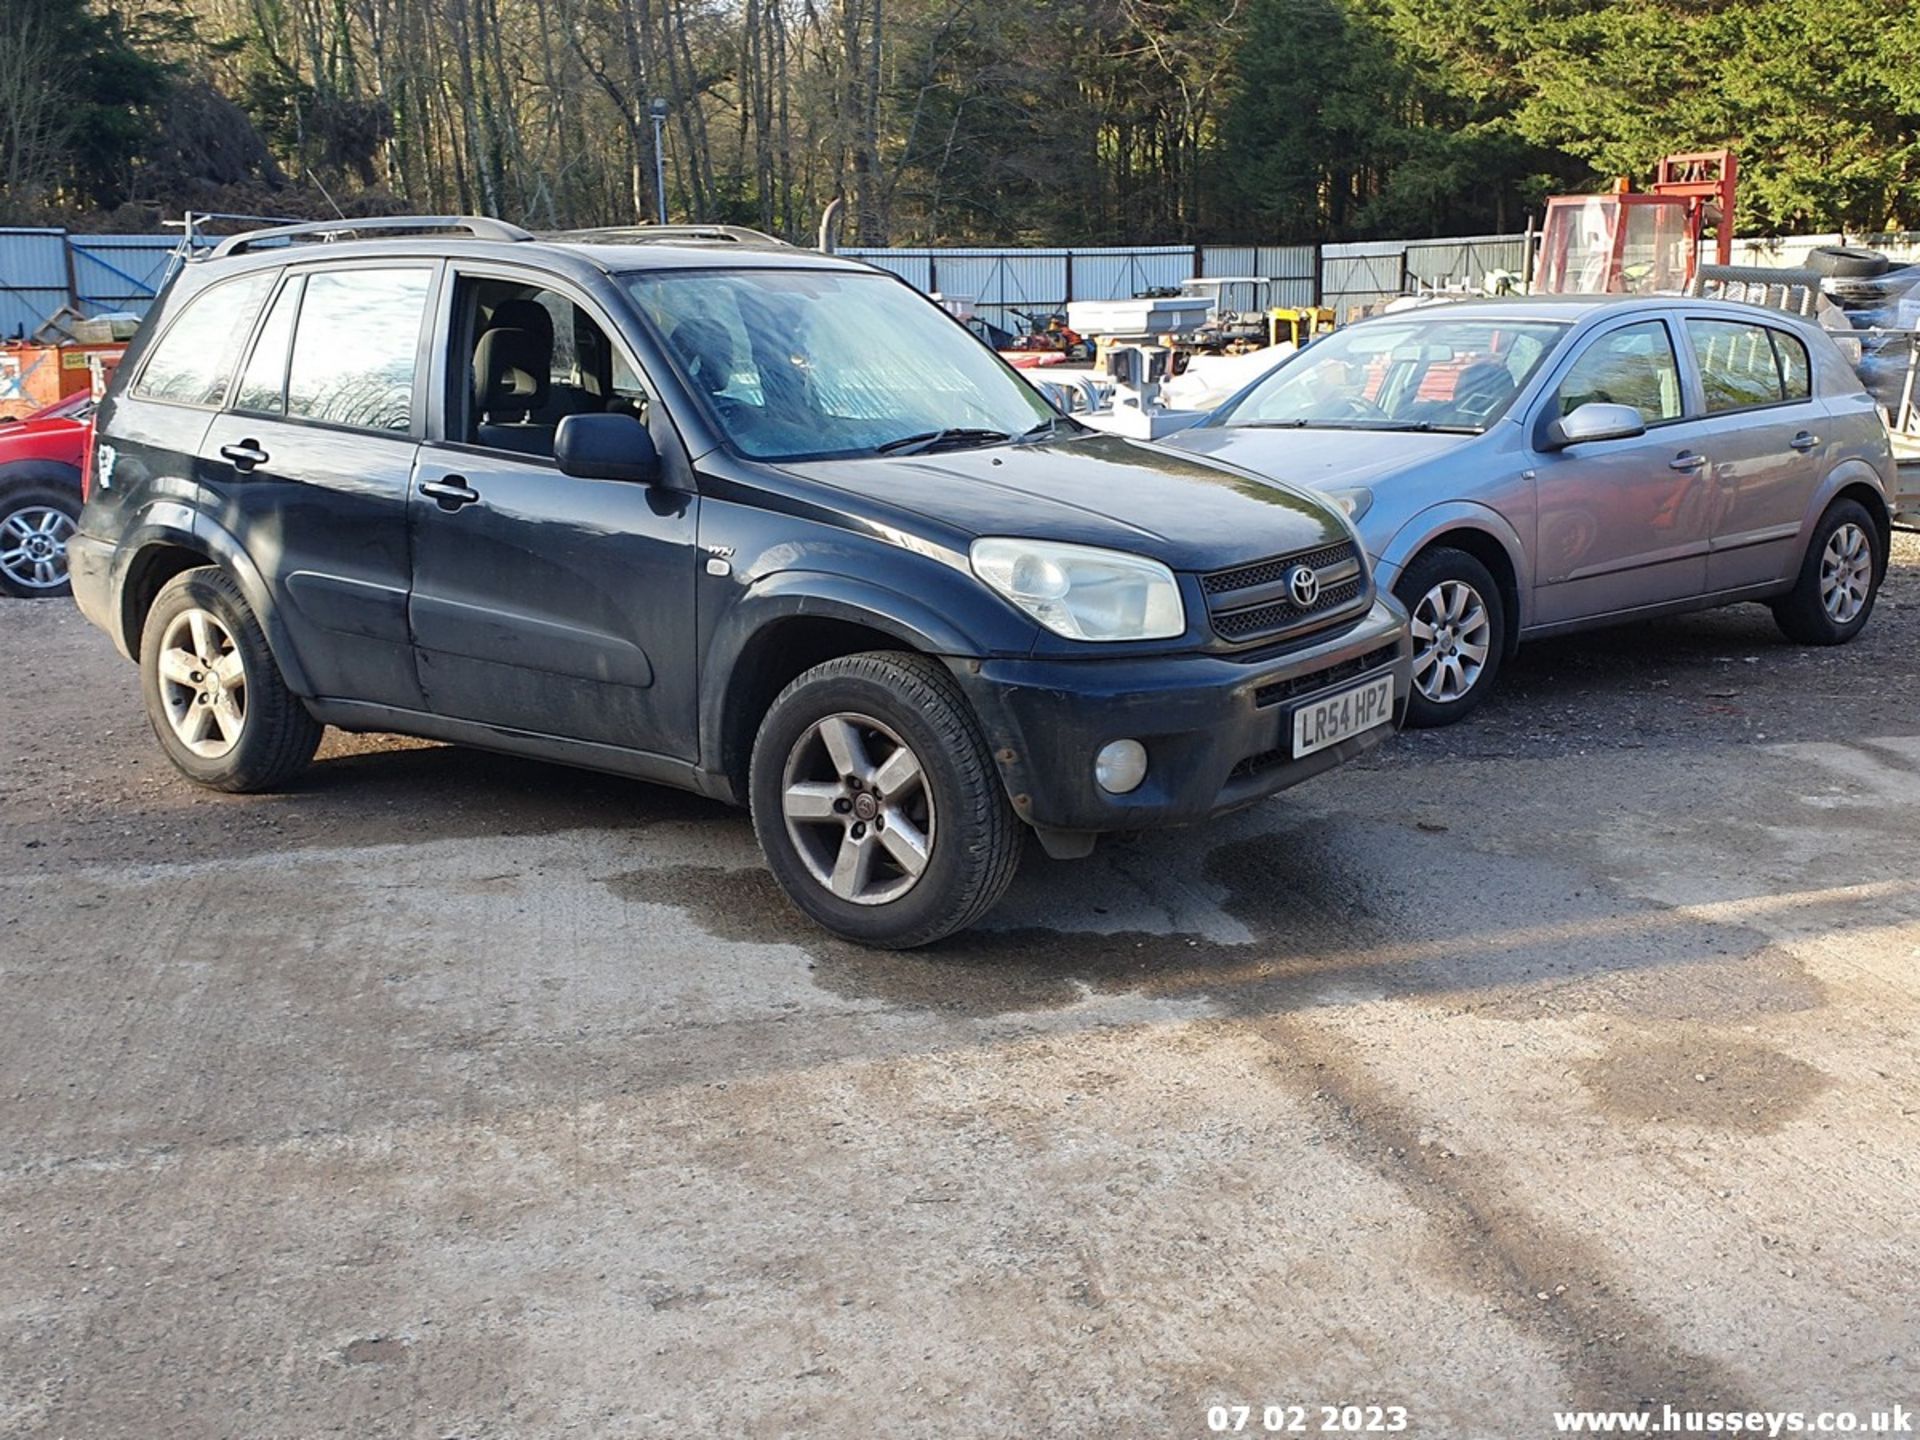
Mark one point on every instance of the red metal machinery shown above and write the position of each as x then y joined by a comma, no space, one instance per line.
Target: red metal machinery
1632,242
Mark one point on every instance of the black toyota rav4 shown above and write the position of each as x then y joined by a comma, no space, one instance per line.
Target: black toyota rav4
708,510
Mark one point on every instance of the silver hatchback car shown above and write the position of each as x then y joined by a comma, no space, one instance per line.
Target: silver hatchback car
1519,468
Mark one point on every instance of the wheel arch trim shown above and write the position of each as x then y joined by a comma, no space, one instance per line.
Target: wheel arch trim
40,472
1437,520
1849,478
173,525
767,601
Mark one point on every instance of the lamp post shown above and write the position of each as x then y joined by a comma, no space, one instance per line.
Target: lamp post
658,109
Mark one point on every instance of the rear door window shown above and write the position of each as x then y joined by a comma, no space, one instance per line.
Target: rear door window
356,347
1739,367
1634,365
1796,368
194,362
263,387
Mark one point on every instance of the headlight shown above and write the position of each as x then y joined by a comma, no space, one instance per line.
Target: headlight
1083,593
1353,503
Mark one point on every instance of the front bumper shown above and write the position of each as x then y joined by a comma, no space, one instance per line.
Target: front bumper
1218,731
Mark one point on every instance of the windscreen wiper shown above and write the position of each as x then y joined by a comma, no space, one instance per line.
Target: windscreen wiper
1307,425
951,435
1383,426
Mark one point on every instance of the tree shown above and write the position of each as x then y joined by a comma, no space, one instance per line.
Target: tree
79,92
1819,97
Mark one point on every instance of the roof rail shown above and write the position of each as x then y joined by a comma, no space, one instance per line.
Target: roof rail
667,235
481,227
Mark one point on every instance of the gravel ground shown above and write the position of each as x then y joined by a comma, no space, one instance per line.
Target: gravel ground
1563,1059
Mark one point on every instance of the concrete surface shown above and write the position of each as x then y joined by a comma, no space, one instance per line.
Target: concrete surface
1565,1059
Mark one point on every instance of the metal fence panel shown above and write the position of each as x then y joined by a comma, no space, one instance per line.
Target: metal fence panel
1358,275
1230,260
1003,282
1288,270
42,271
1442,264
1289,262
33,279
1120,274
119,272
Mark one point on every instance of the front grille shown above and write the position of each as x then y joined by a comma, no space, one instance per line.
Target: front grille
1267,619
1253,602
1254,764
1283,690
1267,572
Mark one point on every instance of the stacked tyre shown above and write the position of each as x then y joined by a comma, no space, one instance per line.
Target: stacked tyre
1872,294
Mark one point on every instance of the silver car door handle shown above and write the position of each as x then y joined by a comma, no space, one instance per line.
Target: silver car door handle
451,493
1804,441
244,456
1688,461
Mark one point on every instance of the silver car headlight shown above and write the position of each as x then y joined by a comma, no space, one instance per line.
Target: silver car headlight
1083,593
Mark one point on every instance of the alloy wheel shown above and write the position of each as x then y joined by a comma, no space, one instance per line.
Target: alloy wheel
33,546
1451,635
1846,573
858,808
203,683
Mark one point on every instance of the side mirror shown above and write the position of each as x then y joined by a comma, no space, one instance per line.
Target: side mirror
606,447
1595,420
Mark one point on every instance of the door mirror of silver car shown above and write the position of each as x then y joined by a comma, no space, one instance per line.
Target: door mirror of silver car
606,446
1595,420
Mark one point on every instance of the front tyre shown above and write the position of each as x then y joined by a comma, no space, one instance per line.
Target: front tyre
215,697
877,804
1839,579
1459,635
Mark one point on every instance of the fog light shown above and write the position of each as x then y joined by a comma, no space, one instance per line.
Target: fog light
1120,766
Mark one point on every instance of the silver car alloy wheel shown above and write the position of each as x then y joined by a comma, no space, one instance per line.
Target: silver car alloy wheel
33,546
1846,573
203,683
1451,634
858,808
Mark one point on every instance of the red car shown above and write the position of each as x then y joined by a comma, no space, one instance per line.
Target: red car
41,458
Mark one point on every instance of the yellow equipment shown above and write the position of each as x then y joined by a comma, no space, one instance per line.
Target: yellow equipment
1300,322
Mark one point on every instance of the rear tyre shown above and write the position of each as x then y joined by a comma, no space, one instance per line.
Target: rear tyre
36,521
1839,579
1459,635
877,803
215,697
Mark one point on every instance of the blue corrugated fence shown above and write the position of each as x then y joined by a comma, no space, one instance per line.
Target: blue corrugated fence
42,271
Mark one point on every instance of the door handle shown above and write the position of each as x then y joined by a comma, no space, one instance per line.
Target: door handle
1804,441
244,456
452,492
1688,460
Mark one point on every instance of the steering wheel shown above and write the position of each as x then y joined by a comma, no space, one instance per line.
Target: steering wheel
1358,407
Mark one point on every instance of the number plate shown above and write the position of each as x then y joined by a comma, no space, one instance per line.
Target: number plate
1321,723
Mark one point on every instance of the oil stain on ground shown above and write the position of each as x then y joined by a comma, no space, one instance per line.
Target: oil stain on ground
1698,1078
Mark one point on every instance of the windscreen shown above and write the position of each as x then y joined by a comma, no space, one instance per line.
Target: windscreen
805,364
1420,372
